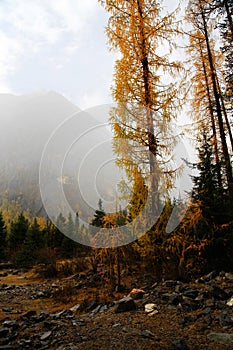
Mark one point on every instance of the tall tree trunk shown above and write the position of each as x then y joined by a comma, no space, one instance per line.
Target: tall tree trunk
218,107
216,152
225,114
152,142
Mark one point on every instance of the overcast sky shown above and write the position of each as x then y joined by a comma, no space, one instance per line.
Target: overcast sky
56,45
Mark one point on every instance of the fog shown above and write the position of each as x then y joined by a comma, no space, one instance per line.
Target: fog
73,147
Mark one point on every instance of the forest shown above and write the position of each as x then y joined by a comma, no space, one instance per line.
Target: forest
170,65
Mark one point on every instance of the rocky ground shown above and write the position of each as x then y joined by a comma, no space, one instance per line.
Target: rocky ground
73,313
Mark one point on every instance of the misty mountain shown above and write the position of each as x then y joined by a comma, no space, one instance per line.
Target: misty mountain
77,153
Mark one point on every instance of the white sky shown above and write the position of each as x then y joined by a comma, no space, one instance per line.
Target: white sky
56,45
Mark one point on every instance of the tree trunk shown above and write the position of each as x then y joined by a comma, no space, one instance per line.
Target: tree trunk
218,108
216,152
152,142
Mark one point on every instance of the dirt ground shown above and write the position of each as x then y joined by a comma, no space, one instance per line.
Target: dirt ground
84,329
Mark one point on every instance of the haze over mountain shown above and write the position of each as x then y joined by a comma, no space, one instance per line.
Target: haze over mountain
27,123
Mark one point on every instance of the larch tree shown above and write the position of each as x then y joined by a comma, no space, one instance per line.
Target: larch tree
145,94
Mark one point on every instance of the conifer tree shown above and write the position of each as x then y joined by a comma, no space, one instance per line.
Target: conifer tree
3,242
32,244
199,16
145,103
212,198
99,215
17,233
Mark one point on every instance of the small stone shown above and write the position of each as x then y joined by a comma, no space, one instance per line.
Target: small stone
230,302
29,313
191,293
11,324
125,304
184,321
116,325
209,302
219,293
170,283
172,298
136,293
149,334
4,274
180,344
3,332
208,320
153,313
7,309
211,275
150,307
229,276
45,336
75,308
223,338
225,320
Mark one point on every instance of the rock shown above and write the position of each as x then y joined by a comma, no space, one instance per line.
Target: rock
208,320
3,332
180,344
29,314
75,308
136,293
230,302
103,308
219,293
22,277
184,321
45,336
63,313
190,304
225,320
210,276
150,307
116,325
229,276
172,298
191,293
136,332
6,265
11,324
125,304
153,313
7,309
223,338
170,283
96,310
4,274
210,303
42,317
149,335
92,305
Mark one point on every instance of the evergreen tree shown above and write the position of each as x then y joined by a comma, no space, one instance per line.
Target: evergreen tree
17,233
214,200
99,215
198,14
3,243
32,244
